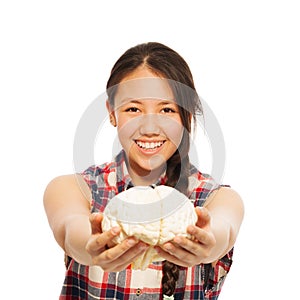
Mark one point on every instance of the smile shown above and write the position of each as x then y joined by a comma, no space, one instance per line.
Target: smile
149,145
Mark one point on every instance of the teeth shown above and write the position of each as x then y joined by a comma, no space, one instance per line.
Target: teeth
152,145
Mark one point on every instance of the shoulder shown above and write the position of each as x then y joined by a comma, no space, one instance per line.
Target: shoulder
61,181
224,194
226,201
65,185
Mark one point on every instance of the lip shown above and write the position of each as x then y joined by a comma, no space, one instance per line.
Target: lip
149,146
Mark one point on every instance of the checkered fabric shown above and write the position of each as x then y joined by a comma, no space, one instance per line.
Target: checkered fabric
91,282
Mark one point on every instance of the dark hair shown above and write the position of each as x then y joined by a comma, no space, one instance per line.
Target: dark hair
164,61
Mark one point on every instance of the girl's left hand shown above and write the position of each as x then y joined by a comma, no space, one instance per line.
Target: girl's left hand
185,252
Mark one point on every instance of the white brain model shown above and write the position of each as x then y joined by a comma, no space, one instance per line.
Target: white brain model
152,215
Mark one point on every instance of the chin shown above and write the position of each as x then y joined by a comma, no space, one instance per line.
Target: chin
154,163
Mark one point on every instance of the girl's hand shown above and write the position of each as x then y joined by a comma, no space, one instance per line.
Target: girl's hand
185,252
107,255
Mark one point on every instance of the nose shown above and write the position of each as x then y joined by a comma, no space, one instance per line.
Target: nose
150,125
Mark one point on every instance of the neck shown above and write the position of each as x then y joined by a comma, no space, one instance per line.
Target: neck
144,177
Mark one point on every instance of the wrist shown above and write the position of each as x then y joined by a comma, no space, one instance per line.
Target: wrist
221,230
77,233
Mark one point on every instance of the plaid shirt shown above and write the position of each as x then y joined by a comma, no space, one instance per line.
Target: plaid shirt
91,282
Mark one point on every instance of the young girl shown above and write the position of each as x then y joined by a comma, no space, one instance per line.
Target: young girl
151,102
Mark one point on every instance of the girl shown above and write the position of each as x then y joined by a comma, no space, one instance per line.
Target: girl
151,102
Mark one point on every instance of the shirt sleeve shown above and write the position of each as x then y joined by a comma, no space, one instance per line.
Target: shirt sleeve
90,179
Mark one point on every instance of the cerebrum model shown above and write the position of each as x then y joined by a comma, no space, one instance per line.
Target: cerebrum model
152,215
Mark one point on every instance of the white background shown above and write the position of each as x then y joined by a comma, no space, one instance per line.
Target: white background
55,59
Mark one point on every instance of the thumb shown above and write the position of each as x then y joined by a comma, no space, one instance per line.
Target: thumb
95,220
203,216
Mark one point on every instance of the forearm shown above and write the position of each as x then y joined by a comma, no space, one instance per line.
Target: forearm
223,239
226,210
77,232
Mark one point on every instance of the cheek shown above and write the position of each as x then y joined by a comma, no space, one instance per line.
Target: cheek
174,132
177,137
126,130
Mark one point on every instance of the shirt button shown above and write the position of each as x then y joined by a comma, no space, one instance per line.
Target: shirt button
138,292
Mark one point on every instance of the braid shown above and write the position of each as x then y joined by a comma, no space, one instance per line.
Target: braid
170,276
177,177
178,172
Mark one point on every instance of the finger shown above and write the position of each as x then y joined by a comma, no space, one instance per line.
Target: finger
170,253
203,216
175,250
117,251
100,240
186,253
115,256
131,255
188,245
95,220
200,236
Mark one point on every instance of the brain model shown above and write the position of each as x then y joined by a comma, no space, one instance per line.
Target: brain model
152,215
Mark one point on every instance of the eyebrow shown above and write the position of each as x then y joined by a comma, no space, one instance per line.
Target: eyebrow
130,100
137,101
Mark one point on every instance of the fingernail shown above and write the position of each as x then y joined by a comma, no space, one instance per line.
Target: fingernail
131,242
143,247
115,230
191,229
177,239
168,247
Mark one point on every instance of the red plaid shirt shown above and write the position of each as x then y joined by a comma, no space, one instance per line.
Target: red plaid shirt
91,282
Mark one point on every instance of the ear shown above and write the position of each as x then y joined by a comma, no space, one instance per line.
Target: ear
112,117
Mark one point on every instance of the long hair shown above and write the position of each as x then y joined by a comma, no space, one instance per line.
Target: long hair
165,62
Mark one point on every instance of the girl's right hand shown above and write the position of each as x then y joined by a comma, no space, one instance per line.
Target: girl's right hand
107,255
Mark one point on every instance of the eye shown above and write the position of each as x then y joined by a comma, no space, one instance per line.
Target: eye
168,110
132,109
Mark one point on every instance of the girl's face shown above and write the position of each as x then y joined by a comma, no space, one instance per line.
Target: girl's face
148,122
